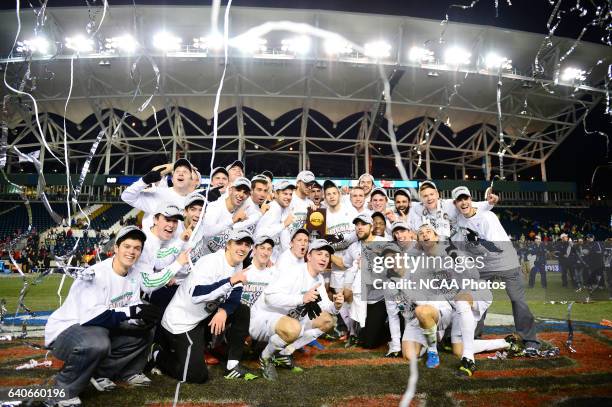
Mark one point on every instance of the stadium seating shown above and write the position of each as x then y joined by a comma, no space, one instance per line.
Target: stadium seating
111,215
17,218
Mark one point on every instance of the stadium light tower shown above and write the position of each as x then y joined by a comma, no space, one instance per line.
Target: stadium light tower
420,55
125,43
495,61
337,46
456,56
36,45
79,43
571,74
377,49
166,41
297,45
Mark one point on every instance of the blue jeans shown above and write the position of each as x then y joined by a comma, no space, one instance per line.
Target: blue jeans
89,351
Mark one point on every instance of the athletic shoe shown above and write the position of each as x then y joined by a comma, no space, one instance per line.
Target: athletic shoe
73,402
316,344
393,354
467,367
239,372
286,362
103,383
138,380
515,347
150,365
268,369
433,359
531,352
351,342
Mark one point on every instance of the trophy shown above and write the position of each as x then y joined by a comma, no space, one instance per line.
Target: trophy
315,223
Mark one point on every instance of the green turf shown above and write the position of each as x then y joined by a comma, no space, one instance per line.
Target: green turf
539,302
40,297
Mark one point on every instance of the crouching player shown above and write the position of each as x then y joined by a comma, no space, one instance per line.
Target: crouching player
295,310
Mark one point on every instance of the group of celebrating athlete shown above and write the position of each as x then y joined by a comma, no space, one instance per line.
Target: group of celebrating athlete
213,267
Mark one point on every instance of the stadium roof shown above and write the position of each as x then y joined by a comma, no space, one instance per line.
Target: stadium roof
300,105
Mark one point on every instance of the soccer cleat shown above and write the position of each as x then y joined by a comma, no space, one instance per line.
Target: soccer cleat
73,402
531,352
351,342
515,347
103,383
138,380
150,365
466,368
433,359
393,354
239,372
268,369
286,362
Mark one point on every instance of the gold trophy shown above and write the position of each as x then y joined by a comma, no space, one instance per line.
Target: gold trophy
315,223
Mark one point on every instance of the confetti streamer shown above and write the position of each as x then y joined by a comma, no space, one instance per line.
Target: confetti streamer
570,329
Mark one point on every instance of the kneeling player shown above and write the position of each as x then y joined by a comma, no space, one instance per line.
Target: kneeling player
296,310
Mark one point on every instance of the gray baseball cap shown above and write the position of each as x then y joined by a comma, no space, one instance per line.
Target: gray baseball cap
320,244
242,182
130,231
261,239
281,186
462,190
399,225
426,183
241,234
171,211
194,198
404,192
379,190
305,176
363,217
300,230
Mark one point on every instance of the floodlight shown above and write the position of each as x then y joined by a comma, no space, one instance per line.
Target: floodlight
571,74
250,45
296,45
79,43
213,41
166,41
418,54
495,61
457,56
125,43
377,49
38,45
337,46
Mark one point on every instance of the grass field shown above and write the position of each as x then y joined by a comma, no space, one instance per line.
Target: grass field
337,377
43,297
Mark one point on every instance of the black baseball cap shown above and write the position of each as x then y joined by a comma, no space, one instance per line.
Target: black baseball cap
182,162
236,163
329,184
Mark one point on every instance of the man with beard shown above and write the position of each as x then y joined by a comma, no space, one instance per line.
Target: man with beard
296,310
294,256
359,309
402,206
148,201
366,182
316,194
207,303
276,220
501,262
225,215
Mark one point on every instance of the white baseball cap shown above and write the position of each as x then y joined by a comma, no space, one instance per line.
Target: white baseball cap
305,176
261,239
425,183
462,190
281,186
363,217
241,234
320,244
130,230
171,211
242,182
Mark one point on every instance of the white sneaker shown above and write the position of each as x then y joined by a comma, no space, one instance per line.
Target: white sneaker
73,402
103,383
139,380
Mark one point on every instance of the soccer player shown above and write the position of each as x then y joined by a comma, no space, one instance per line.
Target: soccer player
148,201
316,194
194,204
301,200
93,333
402,234
501,261
235,170
366,182
278,217
294,256
379,227
296,310
207,303
402,206
357,198
225,214
219,180
440,213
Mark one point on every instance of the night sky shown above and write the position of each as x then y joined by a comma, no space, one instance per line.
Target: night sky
575,159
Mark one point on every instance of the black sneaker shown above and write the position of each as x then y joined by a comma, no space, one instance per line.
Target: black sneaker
286,362
268,369
466,368
239,372
351,342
